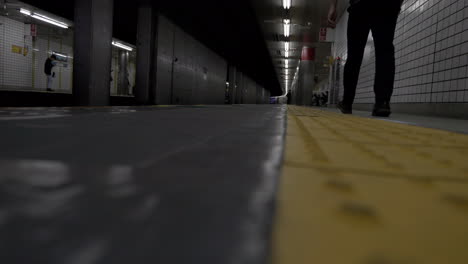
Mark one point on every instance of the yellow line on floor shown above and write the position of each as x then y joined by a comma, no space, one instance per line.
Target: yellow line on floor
361,190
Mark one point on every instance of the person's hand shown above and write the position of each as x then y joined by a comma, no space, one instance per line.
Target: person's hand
332,16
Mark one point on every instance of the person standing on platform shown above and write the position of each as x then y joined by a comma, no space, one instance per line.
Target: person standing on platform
380,18
49,65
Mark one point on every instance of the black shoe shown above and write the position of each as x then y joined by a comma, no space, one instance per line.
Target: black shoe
49,90
382,109
345,108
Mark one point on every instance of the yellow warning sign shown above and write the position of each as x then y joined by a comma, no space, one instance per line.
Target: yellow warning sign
17,49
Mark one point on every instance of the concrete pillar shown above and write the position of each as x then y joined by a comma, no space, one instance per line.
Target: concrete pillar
239,88
232,79
259,95
92,52
306,82
262,96
146,35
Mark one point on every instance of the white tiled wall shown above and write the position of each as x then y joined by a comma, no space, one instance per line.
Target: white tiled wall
18,72
26,72
16,68
431,42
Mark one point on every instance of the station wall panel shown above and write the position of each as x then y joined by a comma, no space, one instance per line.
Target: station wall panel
164,60
249,91
187,71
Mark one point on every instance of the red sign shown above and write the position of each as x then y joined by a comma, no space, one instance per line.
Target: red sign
308,54
323,34
33,30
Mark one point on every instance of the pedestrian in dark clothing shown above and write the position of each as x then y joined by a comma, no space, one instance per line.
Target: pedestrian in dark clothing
380,18
49,65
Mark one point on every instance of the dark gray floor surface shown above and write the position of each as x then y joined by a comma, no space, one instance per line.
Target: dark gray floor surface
138,185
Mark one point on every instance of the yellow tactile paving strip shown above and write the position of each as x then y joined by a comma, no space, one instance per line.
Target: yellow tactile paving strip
360,190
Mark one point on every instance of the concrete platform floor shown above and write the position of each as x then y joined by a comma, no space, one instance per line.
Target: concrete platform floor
138,184
199,184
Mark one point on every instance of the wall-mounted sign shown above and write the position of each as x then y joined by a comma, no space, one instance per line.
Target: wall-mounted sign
323,34
34,30
61,57
16,49
30,30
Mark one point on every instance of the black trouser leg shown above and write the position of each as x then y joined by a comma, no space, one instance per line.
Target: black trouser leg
358,33
383,31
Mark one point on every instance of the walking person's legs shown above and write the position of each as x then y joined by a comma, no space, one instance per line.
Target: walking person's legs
383,30
50,82
358,33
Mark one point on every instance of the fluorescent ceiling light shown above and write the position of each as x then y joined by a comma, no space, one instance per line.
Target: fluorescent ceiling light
287,27
50,21
286,4
122,46
43,18
286,54
60,54
286,46
24,11
286,62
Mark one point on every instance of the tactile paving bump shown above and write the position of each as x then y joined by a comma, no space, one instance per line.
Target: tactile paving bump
361,190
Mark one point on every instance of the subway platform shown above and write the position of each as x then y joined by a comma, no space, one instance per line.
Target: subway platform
231,184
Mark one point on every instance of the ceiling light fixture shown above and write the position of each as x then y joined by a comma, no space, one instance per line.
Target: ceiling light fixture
60,54
286,46
286,4
24,11
43,18
286,54
122,46
287,27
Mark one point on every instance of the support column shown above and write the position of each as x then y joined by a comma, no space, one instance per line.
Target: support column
92,52
306,76
146,35
258,94
232,79
239,87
